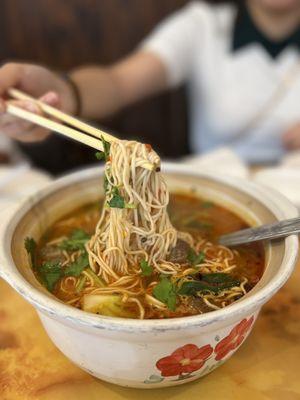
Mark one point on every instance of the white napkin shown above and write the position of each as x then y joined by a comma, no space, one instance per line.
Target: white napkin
223,161
18,182
285,178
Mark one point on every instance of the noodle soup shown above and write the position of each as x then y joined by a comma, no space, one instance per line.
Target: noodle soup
95,343
208,276
137,259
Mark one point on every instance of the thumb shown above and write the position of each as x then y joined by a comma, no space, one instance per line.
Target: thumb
51,98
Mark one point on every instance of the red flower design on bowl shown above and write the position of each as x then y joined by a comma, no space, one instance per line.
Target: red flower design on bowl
185,359
234,339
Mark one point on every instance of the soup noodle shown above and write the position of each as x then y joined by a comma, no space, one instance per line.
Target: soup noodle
139,265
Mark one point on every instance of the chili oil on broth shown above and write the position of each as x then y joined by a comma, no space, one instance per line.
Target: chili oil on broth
188,213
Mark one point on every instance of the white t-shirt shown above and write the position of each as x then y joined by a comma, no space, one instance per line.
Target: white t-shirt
236,98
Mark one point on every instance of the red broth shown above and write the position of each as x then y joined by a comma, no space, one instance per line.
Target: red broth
188,213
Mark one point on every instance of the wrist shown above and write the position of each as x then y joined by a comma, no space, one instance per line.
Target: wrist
72,99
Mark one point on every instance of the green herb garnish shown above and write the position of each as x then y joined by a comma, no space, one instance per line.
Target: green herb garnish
117,201
194,258
218,277
165,291
50,272
103,155
214,283
105,184
30,246
77,266
76,241
100,155
146,268
106,148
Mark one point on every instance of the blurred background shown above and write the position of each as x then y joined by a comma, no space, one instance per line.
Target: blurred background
66,34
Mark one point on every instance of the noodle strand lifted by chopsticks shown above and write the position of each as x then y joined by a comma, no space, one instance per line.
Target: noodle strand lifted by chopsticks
142,229
139,228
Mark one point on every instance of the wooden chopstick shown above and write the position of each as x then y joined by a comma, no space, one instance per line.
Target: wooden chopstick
54,126
60,115
79,136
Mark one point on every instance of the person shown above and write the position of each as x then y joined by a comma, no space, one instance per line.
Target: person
240,63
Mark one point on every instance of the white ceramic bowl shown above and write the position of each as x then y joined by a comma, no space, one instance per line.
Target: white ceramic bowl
151,353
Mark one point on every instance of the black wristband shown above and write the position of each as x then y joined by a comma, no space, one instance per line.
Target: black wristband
76,93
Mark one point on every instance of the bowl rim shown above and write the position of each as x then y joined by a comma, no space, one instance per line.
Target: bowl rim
276,203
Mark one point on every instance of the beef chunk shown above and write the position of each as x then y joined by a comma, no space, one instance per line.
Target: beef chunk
199,305
180,252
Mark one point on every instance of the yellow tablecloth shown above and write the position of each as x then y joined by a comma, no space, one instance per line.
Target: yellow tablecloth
266,367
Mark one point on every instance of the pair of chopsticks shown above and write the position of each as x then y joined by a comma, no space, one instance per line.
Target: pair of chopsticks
83,132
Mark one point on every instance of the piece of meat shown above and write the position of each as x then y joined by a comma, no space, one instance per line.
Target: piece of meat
180,252
199,305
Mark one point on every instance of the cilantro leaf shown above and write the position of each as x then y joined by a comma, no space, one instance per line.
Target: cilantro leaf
76,241
194,258
50,272
100,155
165,291
79,234
77,266
30,246
103,155
218,277
214,283
117,201
106,148
146,268
105,184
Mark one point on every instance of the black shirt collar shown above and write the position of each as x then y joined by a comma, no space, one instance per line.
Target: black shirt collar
245,33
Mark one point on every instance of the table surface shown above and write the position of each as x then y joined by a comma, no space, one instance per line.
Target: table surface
266,367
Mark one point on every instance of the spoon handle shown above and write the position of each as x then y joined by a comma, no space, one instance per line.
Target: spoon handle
263,232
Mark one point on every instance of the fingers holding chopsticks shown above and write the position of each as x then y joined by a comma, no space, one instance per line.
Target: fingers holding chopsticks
22,130
35,81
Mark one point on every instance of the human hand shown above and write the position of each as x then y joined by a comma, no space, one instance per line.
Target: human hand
38,82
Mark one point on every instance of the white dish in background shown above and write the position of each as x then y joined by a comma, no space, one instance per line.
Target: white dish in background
283,179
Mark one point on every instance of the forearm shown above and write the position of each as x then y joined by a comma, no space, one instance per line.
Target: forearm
98,91
106,90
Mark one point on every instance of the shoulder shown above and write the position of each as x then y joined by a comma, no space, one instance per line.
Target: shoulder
212,14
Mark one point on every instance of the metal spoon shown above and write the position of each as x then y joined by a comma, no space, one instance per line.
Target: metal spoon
263,232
